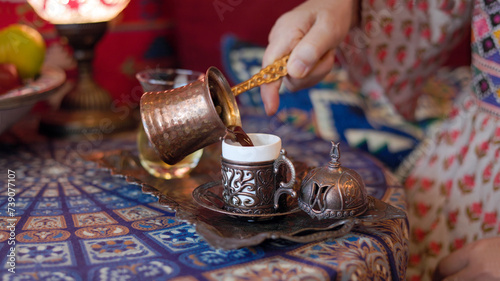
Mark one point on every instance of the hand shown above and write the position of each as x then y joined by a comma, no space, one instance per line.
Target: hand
309,33
479,260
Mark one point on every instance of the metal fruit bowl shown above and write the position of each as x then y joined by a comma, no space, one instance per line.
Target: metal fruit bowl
19,101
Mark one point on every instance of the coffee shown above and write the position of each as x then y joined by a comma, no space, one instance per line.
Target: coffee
233,132
236,134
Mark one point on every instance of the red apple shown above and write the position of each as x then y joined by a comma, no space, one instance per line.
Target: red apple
9,77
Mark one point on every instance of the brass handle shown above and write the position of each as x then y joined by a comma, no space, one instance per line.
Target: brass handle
268,74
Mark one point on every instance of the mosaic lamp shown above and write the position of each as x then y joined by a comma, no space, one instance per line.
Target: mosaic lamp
87,107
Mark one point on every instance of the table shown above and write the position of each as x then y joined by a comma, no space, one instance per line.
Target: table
76,221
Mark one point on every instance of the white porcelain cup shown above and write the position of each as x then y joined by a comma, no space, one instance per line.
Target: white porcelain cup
254,177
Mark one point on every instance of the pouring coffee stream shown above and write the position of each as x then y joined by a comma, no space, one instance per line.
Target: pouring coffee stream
236,134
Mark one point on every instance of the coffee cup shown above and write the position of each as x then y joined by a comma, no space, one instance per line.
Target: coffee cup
254,177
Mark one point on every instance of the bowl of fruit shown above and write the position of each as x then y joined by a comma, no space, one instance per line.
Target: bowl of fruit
24,79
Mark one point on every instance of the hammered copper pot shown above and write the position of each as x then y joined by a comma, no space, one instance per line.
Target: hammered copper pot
182,120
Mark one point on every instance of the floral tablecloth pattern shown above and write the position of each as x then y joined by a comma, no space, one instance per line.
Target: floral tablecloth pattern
75,221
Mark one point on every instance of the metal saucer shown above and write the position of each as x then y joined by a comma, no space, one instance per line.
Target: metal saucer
209,196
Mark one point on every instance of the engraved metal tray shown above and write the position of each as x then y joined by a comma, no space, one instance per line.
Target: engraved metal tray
196,200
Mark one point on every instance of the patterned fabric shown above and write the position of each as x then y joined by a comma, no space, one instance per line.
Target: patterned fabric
454,187
486,53
75,221
401,44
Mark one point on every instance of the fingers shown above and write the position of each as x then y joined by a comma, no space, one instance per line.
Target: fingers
282,40
284,36
465,274
270,92
307,53
475,273
308,33
270,96
452,263
476,261
320,70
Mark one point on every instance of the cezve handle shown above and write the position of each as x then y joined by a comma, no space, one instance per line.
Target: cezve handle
268,74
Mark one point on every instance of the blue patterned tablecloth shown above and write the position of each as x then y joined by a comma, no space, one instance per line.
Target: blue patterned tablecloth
75,221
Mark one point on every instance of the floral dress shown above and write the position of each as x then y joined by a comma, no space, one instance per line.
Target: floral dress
453,185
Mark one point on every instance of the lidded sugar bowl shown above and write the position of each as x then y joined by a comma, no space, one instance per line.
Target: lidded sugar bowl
333,191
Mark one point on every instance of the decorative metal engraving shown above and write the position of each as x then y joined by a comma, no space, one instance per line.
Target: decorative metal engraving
183,120
333,191
249,189
256,188
268,74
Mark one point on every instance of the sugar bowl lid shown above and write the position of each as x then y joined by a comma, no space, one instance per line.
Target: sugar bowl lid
333,191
